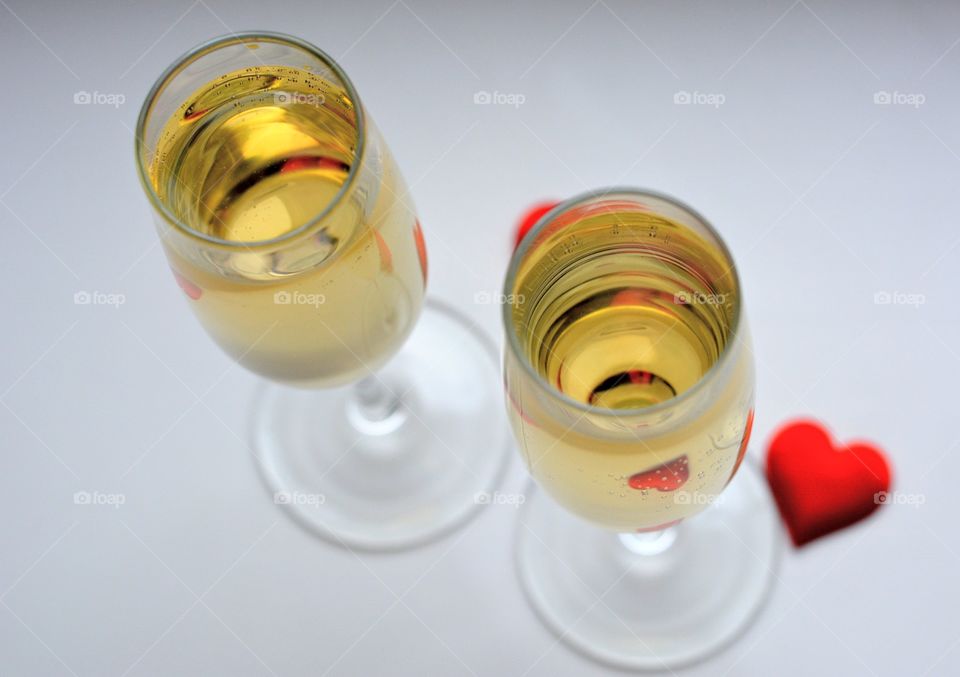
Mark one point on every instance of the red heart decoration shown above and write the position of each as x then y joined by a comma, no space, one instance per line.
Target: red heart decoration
191,290
669,476
421,249
530,218
820,487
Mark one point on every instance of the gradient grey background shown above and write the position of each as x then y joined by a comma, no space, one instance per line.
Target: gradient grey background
825,197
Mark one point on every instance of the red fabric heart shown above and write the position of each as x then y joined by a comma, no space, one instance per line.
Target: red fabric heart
530,218
669,476
820,487
191,290
421,249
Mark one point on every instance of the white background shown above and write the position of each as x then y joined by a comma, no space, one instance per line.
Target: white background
825,198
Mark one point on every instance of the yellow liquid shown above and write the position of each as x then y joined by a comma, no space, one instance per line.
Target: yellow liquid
624,311
254,156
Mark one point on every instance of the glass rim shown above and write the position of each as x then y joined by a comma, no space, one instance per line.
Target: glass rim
513,340
212,45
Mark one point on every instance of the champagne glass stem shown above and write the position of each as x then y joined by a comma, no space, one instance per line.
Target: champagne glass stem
649,543
397,459
374,408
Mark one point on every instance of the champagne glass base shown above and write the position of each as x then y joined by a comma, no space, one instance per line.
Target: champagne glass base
405,468
664,601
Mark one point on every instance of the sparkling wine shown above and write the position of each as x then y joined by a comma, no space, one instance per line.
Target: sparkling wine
308,265
625,312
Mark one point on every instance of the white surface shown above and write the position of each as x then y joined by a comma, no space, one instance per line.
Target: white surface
824,197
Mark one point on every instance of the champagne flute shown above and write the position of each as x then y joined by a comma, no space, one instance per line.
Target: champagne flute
630,389
286,222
